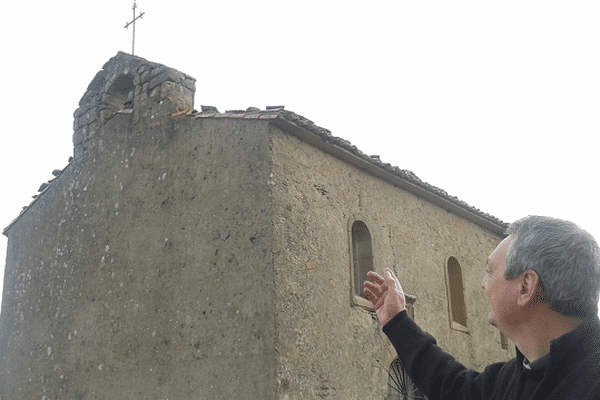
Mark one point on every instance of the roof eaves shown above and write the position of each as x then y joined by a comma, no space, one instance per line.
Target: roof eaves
343,149
405,179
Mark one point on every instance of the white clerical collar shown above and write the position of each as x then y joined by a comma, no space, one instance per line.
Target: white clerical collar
540,363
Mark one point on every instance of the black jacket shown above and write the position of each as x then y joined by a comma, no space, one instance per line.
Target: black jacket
573,371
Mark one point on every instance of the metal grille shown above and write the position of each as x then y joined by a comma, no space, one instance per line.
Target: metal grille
401,387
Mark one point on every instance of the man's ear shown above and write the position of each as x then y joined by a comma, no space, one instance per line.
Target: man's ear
530,290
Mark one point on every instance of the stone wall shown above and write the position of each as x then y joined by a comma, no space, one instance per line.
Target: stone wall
145,269
327,346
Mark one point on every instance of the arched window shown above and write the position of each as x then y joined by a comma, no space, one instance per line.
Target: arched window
120,93
456,295
362,255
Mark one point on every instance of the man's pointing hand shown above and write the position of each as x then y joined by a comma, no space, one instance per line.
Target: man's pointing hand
385,294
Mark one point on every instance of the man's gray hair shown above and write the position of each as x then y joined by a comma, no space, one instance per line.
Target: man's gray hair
566,259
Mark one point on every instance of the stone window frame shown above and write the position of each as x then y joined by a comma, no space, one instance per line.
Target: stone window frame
455,291
354,298
359,300
504,344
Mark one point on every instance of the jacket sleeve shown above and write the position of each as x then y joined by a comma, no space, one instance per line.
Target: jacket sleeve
435,372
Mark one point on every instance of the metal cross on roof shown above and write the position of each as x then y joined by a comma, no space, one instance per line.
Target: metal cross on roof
133,22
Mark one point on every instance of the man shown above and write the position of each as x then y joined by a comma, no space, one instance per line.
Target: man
542,282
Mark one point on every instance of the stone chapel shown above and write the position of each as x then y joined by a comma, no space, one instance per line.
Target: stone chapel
198,254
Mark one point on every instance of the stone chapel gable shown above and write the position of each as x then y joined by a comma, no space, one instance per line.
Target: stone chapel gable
130,85
189,253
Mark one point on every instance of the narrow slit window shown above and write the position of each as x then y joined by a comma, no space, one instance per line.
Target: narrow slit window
410,305
456,295
503,341
362,255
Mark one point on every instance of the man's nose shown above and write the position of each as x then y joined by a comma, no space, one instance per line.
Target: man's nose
484,282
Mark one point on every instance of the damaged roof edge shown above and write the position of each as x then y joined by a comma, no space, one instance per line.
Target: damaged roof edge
496,226
43,188
322,139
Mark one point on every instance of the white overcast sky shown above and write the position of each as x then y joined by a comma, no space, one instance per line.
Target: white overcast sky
496,102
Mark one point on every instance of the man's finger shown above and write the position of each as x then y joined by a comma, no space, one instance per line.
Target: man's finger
375,277
392,280
374,289
368,294
371,286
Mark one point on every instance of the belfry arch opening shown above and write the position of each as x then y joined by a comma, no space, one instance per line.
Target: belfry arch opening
120,93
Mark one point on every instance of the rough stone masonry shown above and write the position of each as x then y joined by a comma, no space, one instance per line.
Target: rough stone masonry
188,254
